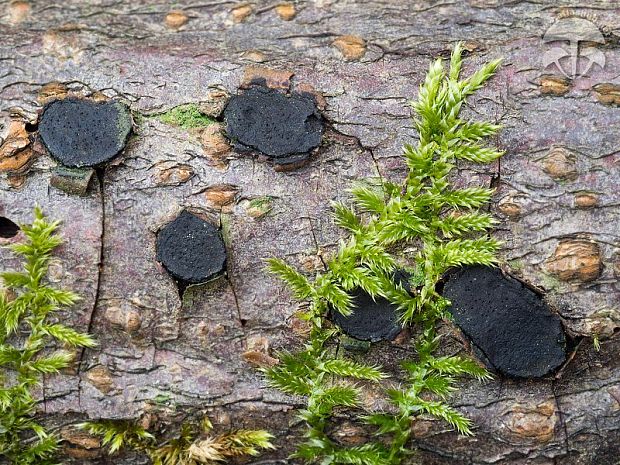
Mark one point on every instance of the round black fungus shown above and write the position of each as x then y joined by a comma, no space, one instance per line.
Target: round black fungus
283,127
80,132
508,323
8,229
372,320
191,249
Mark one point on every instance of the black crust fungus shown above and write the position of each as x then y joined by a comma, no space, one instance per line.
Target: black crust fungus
283,127
510,326
191,249
372,320
8,228
81,132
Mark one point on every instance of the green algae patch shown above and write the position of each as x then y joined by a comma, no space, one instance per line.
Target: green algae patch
188,116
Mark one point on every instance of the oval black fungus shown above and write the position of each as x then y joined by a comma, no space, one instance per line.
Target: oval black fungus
508,323
81,132
191,249
372,320
283,127
8,228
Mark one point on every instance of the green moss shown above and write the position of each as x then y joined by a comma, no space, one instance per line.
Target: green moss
354,345
438,227
187,116
28,325
138,118
259,207
162,398
191,445
550,283
225,219
516,264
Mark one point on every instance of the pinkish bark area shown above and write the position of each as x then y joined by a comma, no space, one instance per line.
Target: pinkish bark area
557,198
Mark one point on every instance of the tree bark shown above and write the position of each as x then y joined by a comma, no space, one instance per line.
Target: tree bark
556,196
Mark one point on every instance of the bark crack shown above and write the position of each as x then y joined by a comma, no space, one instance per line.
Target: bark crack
562,417
100,178
230,280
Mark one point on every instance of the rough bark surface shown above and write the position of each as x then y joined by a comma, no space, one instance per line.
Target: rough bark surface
557,197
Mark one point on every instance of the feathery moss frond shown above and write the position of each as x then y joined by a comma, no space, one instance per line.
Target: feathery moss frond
370,200
334,295
459,252
466,223
476,81
351,369
189,447
68,335
339,395
292,375
437,228
470,197
346,218
477,154
458,366
473,131
448,414
23,441
298,282
116,434
361,455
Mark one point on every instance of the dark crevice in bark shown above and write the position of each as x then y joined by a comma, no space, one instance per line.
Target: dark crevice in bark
242,321
561,416
316,244
228,274
330,127
181,287
100,173
454,458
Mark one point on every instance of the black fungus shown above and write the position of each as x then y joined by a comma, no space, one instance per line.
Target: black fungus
81,132
8,228
191,249
283,127
372,319
510,326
